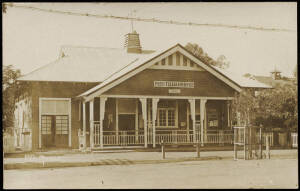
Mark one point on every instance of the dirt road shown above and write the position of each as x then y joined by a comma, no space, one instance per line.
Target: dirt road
274,173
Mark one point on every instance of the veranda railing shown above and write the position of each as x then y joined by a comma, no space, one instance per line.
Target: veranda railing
133,137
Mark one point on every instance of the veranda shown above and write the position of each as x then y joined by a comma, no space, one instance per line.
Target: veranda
124,121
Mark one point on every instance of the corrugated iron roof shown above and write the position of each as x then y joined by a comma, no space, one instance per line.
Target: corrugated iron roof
131,66
84,64
240,80
91,64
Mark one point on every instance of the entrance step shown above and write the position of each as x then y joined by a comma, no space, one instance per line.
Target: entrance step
113,151
116,148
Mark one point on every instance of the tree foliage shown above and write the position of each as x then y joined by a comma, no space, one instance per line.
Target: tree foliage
10,90
245,104
277,107
195,49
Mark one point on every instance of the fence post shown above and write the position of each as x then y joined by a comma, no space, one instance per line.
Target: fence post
163,149
268,147
260,144
250,142
234,143
198,149
245,144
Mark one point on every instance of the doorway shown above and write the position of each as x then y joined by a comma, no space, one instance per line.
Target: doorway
127,123
55,130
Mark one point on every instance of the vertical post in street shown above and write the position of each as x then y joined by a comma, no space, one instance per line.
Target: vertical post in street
234,143
198,149
268,147
260,144
250,143
163,149
245,144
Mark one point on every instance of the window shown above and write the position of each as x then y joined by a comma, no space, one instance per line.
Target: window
163,62
61,124
46,125
162,117
166,117
171,118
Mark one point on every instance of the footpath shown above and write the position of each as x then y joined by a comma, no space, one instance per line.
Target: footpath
125,157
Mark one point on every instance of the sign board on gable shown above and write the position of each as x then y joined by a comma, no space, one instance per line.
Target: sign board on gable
174,84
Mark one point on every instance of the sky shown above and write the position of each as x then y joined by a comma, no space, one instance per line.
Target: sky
32,39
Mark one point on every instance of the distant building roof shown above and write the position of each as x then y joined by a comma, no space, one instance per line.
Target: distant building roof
272,82
242,80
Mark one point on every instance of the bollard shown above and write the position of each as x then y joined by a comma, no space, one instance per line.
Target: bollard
245,144
260,144
163,150
234,144
198,149
268,147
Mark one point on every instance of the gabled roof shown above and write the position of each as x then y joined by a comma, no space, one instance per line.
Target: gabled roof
108,65
84,64
232,80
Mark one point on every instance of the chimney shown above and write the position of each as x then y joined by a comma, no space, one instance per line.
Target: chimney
132,43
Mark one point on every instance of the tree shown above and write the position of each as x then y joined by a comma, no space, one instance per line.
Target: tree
279,106
196,50
222,62
244,104
10,90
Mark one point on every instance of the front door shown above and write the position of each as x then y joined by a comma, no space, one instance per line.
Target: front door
55,131
126,128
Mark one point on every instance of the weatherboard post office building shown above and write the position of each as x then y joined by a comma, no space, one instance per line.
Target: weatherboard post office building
128,97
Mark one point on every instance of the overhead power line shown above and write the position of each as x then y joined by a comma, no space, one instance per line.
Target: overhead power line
153,20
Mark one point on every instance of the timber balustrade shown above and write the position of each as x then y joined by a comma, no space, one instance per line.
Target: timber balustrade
136,137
